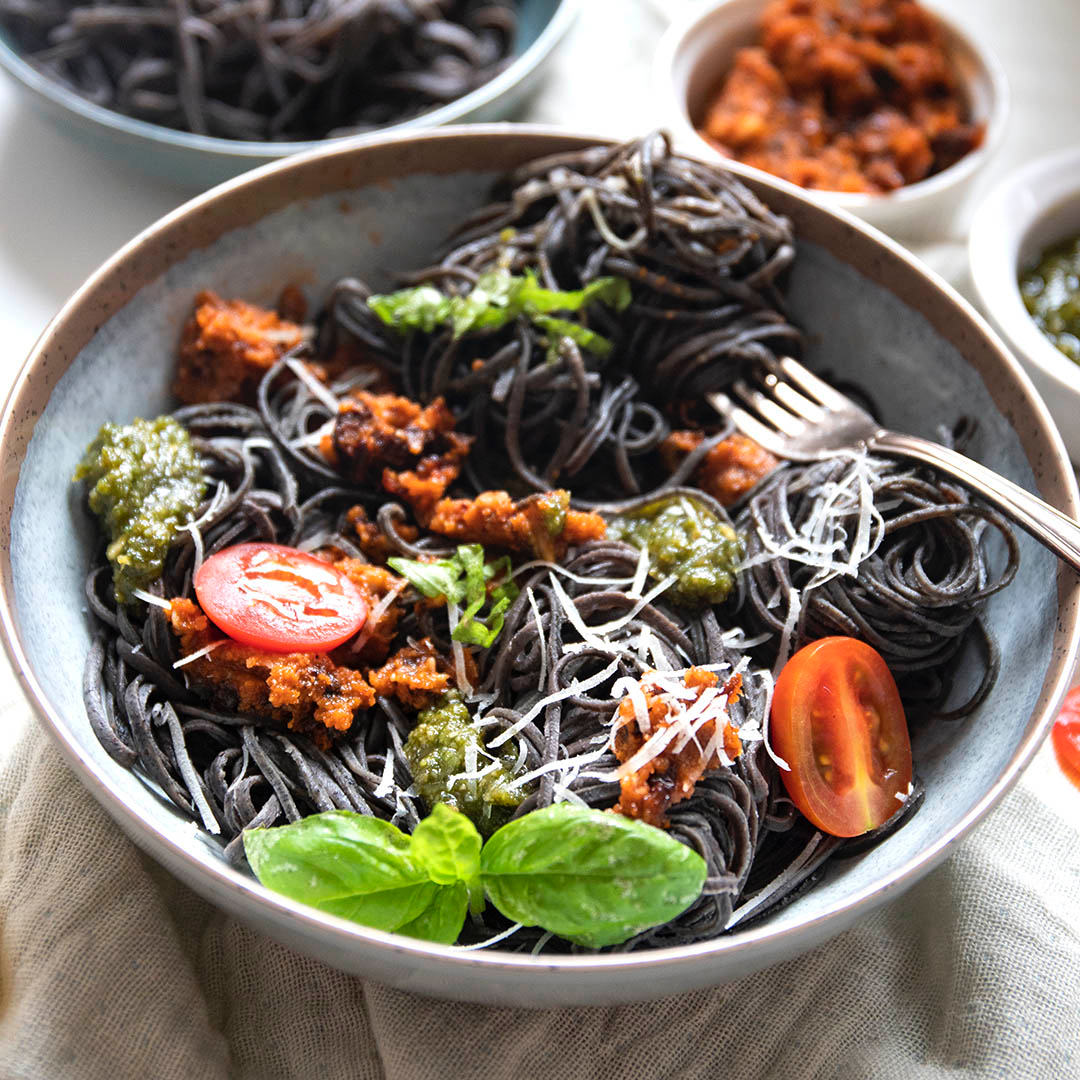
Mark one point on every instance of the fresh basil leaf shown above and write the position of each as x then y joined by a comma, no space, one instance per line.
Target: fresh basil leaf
433,579
447,846
471,559
420,308
503,287
488,296
441,921
614,292
590,876
501,569
465,577
494,301
348,864
557,329
497,298
471,629
395,910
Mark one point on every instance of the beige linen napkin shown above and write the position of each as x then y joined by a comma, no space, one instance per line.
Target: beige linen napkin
111,969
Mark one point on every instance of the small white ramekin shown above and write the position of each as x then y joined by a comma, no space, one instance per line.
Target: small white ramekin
1030,210
699,48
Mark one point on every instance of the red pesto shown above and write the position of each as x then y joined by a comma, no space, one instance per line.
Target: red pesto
1066,736
844,95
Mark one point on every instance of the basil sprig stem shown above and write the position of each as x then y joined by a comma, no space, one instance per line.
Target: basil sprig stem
591,876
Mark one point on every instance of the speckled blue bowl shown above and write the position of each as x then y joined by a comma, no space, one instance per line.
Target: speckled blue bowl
199,161
873,314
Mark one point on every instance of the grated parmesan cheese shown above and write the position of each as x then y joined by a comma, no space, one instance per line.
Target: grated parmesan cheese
315,388
540,635
313,438
453,613
204,651
386,784
375,614
150,598
572,690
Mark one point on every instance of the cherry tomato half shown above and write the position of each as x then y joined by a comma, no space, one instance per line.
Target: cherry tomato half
1066,736
278,598
838,722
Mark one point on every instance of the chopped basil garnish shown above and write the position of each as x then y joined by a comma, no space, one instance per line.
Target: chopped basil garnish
464,579
499,297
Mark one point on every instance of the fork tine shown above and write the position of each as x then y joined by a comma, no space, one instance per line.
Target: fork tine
749,425
798,403
770,410
807,381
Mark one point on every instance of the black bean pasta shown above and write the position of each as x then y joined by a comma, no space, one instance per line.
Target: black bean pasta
285,70
854,545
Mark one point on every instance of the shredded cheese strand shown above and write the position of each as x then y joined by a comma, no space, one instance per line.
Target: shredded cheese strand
569,574
386,784
540,635
204,651
375,614
574,764
453,613
196,538
641,574
313,438
150,598
491,940
316,388
769,683
559,695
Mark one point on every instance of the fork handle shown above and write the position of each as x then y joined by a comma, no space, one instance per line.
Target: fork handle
1059,532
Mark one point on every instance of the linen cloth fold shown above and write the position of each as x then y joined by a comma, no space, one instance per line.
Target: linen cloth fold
109,968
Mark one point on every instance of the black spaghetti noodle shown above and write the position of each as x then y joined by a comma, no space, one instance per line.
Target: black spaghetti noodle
228,770
232,771
703,257
854,545
542,653
266,71
916,592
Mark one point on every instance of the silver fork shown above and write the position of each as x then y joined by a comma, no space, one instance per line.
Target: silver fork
805,419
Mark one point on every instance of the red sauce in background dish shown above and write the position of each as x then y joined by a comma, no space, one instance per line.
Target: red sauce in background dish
844,95
1066,736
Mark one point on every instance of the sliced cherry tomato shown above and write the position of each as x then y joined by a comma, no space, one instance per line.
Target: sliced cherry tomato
837,720
1066,736
279,599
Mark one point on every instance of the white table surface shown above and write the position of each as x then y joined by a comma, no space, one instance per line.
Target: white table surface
65,208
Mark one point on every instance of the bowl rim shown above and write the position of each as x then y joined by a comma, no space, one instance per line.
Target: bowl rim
999,227
211,146
691,24
555,978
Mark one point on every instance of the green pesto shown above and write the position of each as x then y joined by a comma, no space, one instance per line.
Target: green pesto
553,508
436,751
145,482
688,540
1051,292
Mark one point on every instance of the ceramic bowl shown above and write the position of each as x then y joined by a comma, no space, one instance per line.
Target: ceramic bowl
199,161
872,314
699,48
1030,210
